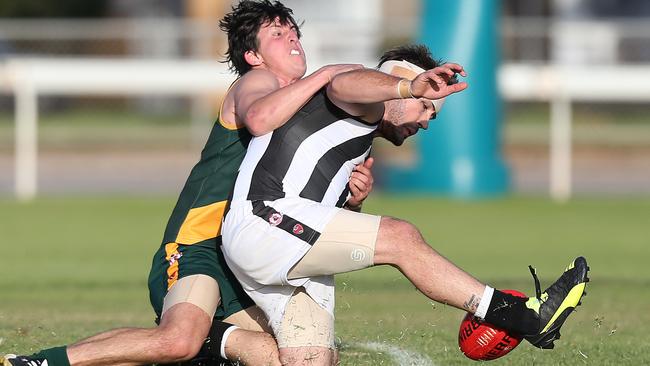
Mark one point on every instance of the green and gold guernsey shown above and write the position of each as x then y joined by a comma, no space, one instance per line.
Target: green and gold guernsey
197,216
199,210
192,239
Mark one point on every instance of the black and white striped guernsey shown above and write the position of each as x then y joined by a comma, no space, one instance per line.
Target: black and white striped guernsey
311,156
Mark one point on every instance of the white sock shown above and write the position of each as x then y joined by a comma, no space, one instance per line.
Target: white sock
483,306
224,339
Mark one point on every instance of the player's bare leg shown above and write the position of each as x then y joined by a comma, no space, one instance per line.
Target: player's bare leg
306,333
307,356
252,348
400,244
179,337
252,343
248,347
104,335
538,318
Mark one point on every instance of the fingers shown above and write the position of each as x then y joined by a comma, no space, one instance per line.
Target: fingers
458,87
361,181
369,162
450,72
435,77
444,70
336,69
363,172
355,191
435,89
447,90
362,177
456,68
350,67
358,190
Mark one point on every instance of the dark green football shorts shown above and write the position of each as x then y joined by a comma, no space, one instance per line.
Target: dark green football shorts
175,261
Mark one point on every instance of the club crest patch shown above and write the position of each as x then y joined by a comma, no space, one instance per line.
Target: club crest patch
275,219
174,258
298,229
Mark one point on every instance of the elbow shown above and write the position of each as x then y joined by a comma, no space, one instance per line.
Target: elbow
334,88
256,122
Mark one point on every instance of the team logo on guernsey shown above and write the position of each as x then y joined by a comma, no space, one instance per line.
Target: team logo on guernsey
275,219
298,229
174,257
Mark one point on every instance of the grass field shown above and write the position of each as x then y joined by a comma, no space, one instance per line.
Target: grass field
75,266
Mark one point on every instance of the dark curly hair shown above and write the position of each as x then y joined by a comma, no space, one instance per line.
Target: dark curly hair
417,54
244,22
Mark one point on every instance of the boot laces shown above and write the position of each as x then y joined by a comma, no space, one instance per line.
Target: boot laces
538,290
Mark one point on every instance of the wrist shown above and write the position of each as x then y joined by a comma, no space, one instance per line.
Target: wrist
321,76
404,89
327,74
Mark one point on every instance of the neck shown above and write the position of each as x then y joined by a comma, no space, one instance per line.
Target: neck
282,79
379,131
285,82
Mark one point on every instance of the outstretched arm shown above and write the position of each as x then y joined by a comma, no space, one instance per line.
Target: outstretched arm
360,92
262,105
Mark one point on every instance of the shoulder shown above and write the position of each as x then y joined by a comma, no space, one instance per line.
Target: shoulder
257,77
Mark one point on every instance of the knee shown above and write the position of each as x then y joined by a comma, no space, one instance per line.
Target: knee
397,237
270,345
252,348
314,356
399,228
263,345
181,333
174,345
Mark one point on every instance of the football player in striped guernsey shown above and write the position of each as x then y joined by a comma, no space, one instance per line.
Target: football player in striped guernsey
286,235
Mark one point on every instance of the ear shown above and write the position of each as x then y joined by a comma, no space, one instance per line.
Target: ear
253,58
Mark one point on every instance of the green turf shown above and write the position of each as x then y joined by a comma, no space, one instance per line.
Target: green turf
75,266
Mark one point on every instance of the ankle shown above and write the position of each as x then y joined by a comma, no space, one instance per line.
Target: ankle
511,313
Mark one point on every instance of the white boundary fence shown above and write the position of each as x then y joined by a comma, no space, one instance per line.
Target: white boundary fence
563,85
28,79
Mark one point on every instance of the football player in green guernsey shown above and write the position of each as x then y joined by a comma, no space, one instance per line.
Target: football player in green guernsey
194,294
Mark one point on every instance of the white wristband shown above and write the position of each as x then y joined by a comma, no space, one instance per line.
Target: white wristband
403,90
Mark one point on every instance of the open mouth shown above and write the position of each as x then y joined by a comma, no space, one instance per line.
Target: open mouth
295,52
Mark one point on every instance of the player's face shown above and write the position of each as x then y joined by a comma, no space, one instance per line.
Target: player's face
404,118
281,51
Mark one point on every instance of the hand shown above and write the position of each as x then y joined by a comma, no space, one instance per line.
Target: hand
360,184
335,69
432,84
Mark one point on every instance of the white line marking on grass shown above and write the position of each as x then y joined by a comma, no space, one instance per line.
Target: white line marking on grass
401,356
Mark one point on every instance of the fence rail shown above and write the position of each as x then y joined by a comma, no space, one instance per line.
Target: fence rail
27,79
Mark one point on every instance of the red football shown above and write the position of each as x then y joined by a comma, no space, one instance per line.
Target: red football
483,342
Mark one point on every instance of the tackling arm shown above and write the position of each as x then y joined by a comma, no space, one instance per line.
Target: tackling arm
263,105
362,92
